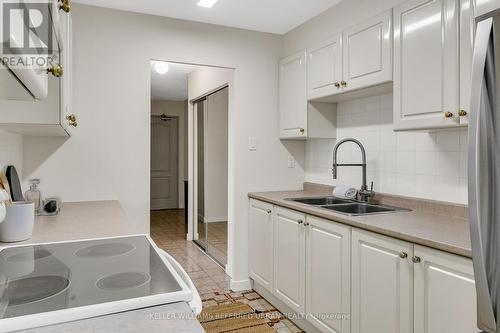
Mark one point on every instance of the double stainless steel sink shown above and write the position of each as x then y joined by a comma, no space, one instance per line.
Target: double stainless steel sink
348,207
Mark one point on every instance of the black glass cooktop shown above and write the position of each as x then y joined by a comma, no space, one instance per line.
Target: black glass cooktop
42,278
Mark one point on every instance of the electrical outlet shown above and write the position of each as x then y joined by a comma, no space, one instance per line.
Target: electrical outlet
291,162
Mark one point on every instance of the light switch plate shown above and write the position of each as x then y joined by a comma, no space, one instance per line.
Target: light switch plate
252,143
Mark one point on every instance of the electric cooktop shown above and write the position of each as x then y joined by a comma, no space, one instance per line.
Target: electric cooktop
50,283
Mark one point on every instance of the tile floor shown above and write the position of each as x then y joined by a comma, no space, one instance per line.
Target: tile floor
169,231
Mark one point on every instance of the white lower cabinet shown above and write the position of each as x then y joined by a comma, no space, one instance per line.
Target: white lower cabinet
289,258
445,294
382,284
328,275
261,243
329,270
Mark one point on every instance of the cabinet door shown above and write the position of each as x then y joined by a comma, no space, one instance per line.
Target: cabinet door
293,99
466,50
367,49
426,64
289,258
260,231
328,274
445,294
66,79
324,68
382,284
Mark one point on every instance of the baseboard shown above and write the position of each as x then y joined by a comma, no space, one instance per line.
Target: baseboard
240,285
215,219
293,316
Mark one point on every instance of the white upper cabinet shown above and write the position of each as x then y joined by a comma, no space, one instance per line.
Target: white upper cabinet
289,258
324,68
293,100
426,64
445,293
367,49
260,229
382,284
466,51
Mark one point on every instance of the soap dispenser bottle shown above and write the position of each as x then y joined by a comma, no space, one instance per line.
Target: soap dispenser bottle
34,195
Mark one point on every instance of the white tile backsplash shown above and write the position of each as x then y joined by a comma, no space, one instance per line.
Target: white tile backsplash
11,151
419,164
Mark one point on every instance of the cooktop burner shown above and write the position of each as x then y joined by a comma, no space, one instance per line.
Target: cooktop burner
121,281
66,275
32,289
104,250
29,255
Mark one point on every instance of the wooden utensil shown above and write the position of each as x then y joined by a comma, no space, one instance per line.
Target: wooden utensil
4,184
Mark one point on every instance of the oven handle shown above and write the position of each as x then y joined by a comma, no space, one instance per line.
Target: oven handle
196,304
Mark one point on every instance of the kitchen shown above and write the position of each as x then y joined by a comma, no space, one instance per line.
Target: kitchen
395,75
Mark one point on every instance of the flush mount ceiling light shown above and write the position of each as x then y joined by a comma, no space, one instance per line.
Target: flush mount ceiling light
161,67
206,3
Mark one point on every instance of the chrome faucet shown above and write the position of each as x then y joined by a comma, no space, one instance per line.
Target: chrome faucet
364,193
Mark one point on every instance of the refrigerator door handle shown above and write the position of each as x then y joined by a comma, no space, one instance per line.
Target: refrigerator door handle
481,175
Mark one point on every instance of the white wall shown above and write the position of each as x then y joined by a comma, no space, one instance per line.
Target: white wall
108,157
177,109
417,164
11,151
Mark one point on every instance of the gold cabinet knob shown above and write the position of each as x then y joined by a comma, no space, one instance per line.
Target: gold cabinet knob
65,5
300,221
343,83
269,211
302,131
416,259
403,255
306,224
56,70
462,113
337,85
448,114
72,120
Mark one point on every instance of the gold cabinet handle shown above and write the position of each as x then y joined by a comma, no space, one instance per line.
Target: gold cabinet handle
416,259
56,70
462,113
72,120
65,5
269,211
306,224
300,221
343,83
337,85
448,114
302,131
403,255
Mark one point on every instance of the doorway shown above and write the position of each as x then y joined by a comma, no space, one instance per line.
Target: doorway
164,162
211,168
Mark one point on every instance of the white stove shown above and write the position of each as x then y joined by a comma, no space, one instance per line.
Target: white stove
46,284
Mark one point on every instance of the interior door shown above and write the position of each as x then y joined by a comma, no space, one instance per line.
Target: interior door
426,64
367,51
164,162
382,284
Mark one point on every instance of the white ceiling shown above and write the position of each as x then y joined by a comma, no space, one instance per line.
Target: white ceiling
275,16
173,85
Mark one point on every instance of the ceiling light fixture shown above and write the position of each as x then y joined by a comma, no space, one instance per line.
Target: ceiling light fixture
161,67
206,3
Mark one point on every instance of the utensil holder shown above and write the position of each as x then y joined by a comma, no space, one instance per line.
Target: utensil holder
18,223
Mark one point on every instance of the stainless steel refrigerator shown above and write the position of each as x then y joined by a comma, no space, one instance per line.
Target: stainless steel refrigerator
484,166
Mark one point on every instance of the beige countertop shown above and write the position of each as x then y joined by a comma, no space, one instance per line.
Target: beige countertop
81,220
442,232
